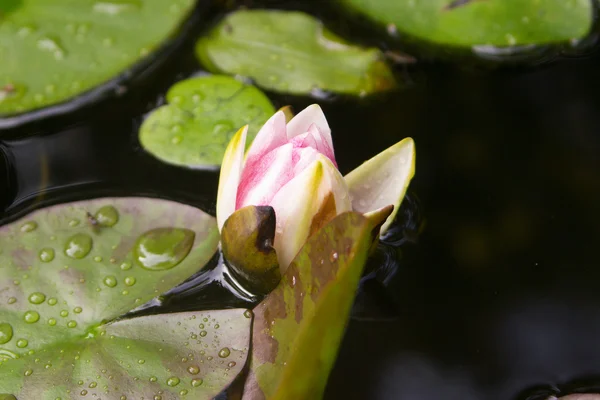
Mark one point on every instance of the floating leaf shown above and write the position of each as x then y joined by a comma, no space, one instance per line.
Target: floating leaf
62,271
194,354
53,50
202,115
291,52
482,22
298,327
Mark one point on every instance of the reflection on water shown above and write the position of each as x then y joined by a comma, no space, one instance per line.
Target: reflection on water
486,288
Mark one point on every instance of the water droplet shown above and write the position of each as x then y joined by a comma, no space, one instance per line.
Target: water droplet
22,343
31,317
83,392
217,326
333,256
93,385
176,139
29,226
203,333
163,248
130,281
193,369
110,281
231,364
37,298
52,45
52,301
64,313
72,324
222,128
248,313
51,322
153,379
78,246
97,258
126,266
173,381
197,382
6,333
12,300
224,352
107,216
77,310
140,361
28,372
46,254
183,392
115,7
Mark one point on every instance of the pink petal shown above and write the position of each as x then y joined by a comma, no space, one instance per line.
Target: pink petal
321,143
262,179
270,136
310,115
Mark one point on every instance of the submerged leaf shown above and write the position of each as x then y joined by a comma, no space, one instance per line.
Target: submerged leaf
193,354
291,52
482,22
54,50
203,114
63,272
299,326
247,243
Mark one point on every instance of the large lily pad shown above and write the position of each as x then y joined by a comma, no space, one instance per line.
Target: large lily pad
53,50
291,52
68,270
482,22
203,113
172,356
298,327
63,271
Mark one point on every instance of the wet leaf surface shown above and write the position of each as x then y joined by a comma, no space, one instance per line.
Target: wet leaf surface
63,271
203,114
299,326
170,356
80,44
482,22
291,52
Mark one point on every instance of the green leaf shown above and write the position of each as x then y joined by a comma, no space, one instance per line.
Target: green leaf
187,355
291,52
298,327
482,22
53,50
203,114
67,268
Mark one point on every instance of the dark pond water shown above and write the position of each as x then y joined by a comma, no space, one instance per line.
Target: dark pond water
492,291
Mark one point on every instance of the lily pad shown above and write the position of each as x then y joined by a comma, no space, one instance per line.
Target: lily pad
201,116
467,23
66,268
291,52
194,354
298,327
54,50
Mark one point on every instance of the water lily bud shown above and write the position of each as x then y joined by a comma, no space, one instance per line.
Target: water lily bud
291,167
247,244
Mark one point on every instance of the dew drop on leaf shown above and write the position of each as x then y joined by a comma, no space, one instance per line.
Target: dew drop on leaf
224,352
163,248
197,382
46,254
110,281
107,216
78,246
29,226
31,317
173,381
22,343
6,332
37,298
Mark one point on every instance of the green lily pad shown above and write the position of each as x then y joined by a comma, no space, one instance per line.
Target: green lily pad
68,270
171,356
469,23
63,270
298,327
53,50
291,52
201,116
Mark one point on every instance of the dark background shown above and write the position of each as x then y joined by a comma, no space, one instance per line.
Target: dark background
498,299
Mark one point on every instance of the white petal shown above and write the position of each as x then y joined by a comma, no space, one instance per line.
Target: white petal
302,203
229,179
310,115
383,179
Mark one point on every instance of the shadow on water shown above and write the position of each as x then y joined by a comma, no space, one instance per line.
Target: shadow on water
489,285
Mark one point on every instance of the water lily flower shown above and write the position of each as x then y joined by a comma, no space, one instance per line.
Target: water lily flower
291,167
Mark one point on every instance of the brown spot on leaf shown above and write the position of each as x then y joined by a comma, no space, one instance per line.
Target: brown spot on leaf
326,213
